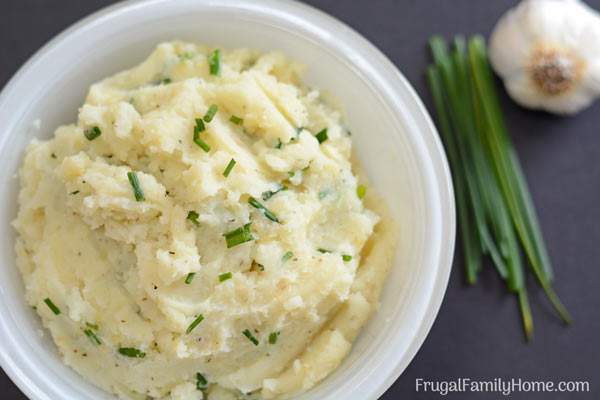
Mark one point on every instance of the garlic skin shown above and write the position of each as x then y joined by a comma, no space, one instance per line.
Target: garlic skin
548,54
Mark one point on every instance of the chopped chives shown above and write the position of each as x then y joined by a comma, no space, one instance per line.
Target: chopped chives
226,276
201,382
92,336
92,133
197,129
238,236
193,216
322,250
214,62
361,191
210,114
279,144
266,212
131,352
287,256
346,257
52,306
135,184
189,278
250,336
74,192
229,168
236,120
194,323
273,337
270,193
166,81
322,136
92,326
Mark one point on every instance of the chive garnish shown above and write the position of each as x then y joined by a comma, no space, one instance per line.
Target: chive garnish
346,257
229,168
131,352
194,324
226,276
74,192
52,306
322,136
266,212
210,113
189,278
201,382
361,191
287,256
166,81
250,336
279,144
92,326
240,235
197,129
323,251
92,133
92,336
135,184
236,120
53,155
193,216
215,62
273,337
269,193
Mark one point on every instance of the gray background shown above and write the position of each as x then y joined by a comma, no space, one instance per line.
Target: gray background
477,333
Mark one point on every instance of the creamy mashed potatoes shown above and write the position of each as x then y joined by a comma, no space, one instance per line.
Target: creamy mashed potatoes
199,232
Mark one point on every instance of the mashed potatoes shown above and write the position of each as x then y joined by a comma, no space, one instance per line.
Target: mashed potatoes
199,233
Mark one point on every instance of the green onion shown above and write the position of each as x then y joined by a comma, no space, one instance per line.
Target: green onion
323,251
131,352
266,212
92,133
250,336
269,193
236,120
189,278
279,144
194,323
361,191
287,256
346,257
92,336
229,168
52,306
273,337
214,62
193,216
210,113
201,382
197,129
74,192
322,136
166,81
135,184
238,236
225,276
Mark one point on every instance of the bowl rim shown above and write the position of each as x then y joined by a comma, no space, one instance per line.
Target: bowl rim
430,139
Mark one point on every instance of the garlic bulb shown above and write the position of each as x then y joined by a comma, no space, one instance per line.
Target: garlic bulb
548,54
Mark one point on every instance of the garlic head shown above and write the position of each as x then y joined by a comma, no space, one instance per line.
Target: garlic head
548,54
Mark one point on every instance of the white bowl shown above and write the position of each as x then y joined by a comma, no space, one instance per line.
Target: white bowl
392,132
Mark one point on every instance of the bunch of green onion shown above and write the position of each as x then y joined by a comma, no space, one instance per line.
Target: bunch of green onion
496,216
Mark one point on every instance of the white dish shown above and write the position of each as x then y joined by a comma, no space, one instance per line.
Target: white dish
392,134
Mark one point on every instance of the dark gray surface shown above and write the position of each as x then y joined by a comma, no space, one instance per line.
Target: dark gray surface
477,333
